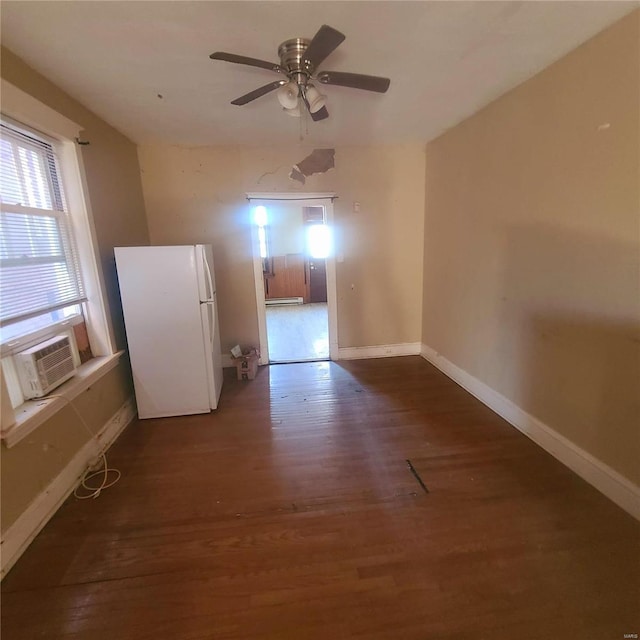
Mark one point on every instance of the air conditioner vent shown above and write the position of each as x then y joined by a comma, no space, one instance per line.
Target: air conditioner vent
45,366
53,373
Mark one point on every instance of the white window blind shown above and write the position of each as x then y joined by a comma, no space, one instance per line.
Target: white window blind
39,268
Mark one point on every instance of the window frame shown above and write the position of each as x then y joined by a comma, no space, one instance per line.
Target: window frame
59,211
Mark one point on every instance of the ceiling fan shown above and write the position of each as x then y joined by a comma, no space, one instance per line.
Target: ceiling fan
299,61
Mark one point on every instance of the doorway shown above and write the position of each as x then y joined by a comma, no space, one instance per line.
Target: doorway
294,269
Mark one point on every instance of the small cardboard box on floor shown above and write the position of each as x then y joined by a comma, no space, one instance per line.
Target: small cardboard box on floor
246,362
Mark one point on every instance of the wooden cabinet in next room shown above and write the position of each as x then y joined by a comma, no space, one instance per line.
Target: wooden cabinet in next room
286,277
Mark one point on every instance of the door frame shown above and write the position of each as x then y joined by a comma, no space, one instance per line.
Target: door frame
305,199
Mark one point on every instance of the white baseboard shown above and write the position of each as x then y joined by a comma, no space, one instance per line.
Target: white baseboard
22,532
598,474
380,351
357,353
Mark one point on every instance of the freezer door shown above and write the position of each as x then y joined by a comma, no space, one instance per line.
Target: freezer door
211,331
160,300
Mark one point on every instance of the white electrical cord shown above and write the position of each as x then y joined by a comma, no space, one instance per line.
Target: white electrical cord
94,491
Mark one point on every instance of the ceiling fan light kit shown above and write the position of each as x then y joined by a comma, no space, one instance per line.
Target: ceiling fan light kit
299,60
315,99
294,112
288,95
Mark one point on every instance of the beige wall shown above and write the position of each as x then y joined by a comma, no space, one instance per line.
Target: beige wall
115,196
531,271
32,464
198,195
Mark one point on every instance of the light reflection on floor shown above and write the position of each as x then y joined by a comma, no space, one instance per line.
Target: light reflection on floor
298,332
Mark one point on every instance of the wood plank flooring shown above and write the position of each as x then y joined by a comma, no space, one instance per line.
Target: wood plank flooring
291,513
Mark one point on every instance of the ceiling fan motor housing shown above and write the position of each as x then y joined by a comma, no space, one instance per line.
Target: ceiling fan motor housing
291,53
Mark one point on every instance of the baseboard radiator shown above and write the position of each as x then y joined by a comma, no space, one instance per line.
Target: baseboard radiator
283,301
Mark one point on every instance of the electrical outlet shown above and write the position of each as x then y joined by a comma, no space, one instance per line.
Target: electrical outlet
96,463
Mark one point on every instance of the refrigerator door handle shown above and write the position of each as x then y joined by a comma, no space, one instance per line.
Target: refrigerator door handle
207,272
212,348
210,315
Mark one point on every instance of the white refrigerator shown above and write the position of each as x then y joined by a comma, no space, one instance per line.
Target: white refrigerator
171,320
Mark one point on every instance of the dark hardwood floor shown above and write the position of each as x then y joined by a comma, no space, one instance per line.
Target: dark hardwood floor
291,513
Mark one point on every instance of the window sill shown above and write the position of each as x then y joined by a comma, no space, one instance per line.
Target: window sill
31,414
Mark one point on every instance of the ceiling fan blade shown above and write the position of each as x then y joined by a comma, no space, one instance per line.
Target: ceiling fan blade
252,62
323,43
256,93
355,81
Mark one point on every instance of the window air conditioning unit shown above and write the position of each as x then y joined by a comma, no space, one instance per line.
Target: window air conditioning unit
45,366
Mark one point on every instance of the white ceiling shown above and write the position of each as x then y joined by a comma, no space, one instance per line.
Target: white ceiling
445,59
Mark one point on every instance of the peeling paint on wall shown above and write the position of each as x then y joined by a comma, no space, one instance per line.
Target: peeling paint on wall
318,161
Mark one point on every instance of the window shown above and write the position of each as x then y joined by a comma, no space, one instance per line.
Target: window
318,233
319,241
261,219
41,285
40,279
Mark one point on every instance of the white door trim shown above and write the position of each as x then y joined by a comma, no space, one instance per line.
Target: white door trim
332,295
290,195
258,280
305,199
